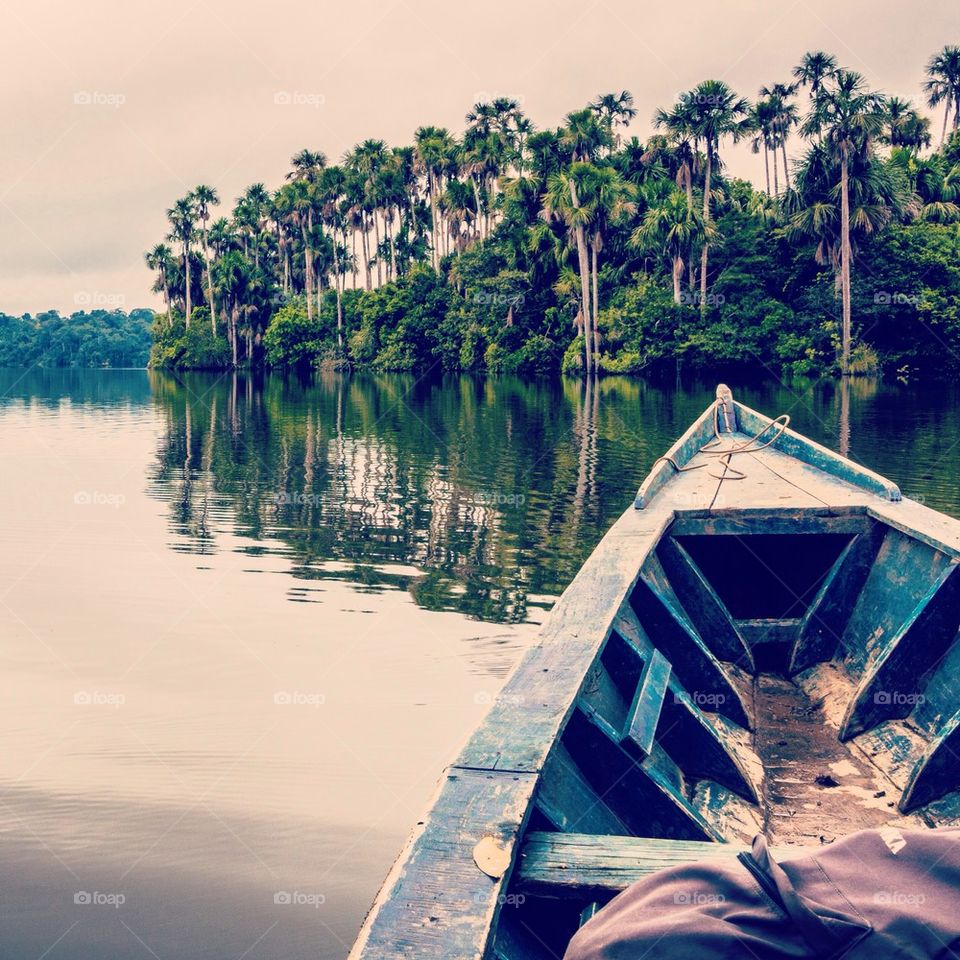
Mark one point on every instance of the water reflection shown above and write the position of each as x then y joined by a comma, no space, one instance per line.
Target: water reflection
482,498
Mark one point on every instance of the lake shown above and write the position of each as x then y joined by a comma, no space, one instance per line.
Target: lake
247,620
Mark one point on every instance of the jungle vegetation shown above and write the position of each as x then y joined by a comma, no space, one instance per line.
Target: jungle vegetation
95,338
511,249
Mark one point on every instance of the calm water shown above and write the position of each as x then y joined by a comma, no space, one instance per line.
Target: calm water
246,622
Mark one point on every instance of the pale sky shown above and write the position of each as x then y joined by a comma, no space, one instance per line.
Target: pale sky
112,110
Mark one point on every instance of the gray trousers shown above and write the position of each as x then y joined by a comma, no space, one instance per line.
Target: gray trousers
873,895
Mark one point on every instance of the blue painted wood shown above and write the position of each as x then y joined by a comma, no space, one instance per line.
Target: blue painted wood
938,771
697,668
757,633
899,580
569,802
544,688
805,450
437,902
702,605
821,631
641,726
641,793
893,684
688,733
589,912
576,865
744,521
681,453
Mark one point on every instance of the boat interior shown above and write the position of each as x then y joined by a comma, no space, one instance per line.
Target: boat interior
790,672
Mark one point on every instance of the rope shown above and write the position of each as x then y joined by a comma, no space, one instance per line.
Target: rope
730,472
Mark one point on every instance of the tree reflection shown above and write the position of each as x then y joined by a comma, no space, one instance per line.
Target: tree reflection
477,496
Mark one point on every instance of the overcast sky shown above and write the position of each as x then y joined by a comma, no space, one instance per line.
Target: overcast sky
112,110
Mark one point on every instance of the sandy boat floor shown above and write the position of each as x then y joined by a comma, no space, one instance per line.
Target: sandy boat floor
816,788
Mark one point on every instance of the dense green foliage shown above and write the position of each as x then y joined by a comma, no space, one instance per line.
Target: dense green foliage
511,250
100,338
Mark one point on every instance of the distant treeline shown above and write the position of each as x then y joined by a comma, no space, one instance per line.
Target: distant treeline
100,338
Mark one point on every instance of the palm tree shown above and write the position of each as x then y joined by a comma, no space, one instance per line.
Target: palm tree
181,216
716,112
783,117
204,198
233,276
433,146
333,185
936,186
761,120
905,127
562,202
848,116
608,200
943,85
675,229
614,110
256,205
813,70
161,259
585,135
306,168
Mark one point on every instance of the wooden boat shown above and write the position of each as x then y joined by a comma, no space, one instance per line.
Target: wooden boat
766,640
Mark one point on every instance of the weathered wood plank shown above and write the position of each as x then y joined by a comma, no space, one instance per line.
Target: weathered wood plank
569,802
938,771
436,902
899,579
703,606
698,669
700,432
568,864
524,722
823,625
744,520
641,725
805,450
892,684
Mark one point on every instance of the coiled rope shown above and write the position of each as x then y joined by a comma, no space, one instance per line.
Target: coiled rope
728,453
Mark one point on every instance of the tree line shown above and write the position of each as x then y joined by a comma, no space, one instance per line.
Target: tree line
512,248
95,338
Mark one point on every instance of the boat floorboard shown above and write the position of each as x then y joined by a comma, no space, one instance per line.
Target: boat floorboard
816,788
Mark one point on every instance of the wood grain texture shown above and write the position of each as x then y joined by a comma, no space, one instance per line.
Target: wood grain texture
437,902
